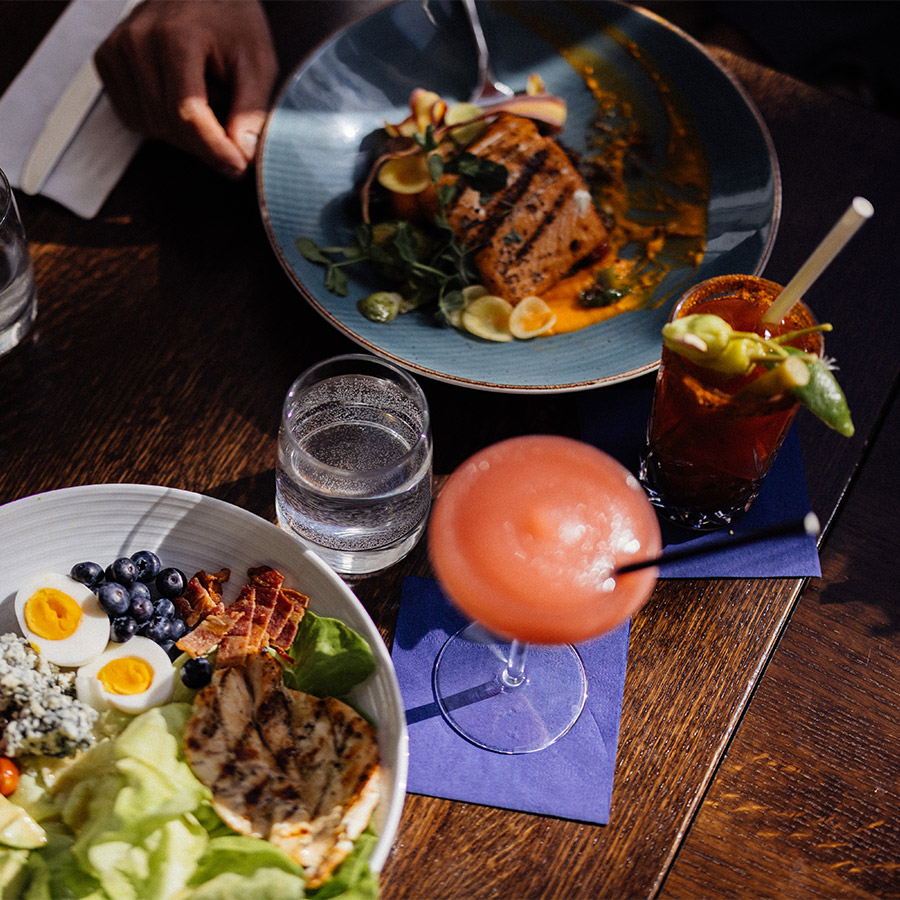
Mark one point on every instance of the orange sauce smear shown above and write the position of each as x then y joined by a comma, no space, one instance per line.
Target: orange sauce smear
660,216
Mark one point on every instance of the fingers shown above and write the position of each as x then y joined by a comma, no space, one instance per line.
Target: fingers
253,82
155,66
253,70
186,118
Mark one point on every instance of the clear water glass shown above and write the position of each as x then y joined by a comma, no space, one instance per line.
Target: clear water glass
18,295
353,475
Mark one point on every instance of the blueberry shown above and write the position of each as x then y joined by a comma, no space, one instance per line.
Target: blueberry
139,591
140,609
170,582
196,673
171,650
122,629
147,564
113,599
157,629
165,607
123,571
88,573
178,627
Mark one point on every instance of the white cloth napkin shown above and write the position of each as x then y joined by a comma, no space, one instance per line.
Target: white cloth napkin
102,148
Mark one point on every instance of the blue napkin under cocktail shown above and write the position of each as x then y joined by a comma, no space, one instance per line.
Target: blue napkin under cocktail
573,778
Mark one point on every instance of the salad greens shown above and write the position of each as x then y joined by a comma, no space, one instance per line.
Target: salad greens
330,659
128,820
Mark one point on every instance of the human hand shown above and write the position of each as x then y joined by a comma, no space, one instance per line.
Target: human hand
155,64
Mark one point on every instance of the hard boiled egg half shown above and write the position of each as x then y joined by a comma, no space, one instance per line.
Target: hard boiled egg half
130,677
62,618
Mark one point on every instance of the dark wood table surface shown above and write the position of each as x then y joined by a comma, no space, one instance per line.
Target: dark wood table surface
759,754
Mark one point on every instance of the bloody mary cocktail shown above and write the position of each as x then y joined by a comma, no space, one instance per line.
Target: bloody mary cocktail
712,437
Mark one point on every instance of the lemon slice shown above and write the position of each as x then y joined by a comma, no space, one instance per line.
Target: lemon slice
488,317
531,317
405,174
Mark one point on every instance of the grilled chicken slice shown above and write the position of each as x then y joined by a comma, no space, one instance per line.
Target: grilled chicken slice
228,755
299,771
541,227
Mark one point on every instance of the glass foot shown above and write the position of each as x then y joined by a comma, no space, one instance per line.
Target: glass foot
496,711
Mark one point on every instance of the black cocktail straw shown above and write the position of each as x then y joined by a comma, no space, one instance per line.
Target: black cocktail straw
809,524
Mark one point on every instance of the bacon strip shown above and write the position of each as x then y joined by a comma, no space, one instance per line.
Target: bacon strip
264,614
266,598
233,648
206,636
285,637
202,596
265,576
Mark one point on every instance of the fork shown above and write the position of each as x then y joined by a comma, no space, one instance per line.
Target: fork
489,88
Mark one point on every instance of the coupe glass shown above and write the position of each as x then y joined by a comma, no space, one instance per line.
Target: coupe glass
525,537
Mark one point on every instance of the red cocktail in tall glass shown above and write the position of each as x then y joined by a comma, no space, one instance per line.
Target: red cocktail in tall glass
713,433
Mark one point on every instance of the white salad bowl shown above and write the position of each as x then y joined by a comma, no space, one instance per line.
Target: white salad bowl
50,532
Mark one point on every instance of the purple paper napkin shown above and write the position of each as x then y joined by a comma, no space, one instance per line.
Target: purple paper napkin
615,418
571,779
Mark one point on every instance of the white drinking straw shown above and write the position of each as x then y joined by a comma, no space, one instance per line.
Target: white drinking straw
859,211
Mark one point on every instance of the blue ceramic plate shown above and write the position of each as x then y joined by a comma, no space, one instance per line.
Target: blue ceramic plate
314,151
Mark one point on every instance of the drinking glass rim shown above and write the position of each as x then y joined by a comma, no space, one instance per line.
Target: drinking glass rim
424,437
715,280
6,187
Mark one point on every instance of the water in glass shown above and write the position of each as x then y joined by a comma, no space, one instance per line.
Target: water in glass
353,478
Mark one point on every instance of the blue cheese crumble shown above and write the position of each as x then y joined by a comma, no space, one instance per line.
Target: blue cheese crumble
39,714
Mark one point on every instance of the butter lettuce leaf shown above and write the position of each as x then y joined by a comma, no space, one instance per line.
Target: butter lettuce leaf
54,873
235,866
12,872
353,879
329,658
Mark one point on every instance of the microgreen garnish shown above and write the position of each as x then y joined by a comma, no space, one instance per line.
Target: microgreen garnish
606,290
426,268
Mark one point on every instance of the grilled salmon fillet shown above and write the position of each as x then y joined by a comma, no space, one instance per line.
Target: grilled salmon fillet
540,227
296,770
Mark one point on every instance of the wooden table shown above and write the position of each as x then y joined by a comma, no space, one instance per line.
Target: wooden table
758,754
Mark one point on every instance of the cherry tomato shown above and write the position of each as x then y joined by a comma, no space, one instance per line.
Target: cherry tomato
9,776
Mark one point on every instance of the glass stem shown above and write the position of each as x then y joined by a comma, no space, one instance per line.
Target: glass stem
514,673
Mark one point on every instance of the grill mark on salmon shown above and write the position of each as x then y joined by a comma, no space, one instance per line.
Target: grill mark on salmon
532,234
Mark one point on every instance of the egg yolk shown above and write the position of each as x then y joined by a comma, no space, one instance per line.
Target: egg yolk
126,675
51,614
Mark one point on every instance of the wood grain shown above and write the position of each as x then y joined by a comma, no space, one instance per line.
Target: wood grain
805,804
167,336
